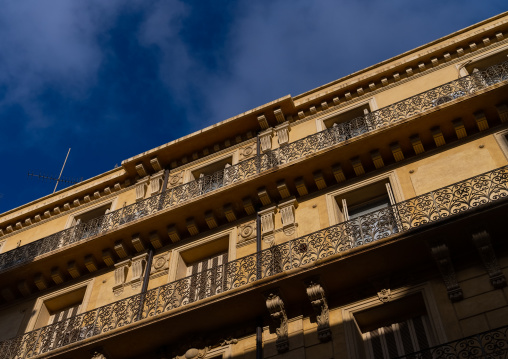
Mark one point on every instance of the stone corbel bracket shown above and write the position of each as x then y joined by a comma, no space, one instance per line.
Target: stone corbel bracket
268,224
282,132
138,269
265,140
441,255
287,211
279,319
156,181
141,187
317,298
121,270
483,243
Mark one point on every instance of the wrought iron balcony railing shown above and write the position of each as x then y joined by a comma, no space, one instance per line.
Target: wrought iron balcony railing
425,209
294,151
492,344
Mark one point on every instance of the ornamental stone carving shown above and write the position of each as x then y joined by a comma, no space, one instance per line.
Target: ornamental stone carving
175,179
268,224
265,140
316,294
156,182
138,269
247,152
121,270
246,231
283,133
287,211
194,353
160,265
98,355
483,243
385,295
279,319
441,255
141,189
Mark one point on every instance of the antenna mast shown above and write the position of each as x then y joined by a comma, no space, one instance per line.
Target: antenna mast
58,180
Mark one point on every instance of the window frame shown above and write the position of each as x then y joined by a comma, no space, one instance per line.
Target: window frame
189,177
462,66
40,302
502,140
334,215
320,121
353,333
70,219
176,257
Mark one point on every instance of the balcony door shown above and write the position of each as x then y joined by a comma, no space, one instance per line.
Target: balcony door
397,339
368,212
207,276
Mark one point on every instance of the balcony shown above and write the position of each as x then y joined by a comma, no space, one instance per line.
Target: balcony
294,151
449,201
492,344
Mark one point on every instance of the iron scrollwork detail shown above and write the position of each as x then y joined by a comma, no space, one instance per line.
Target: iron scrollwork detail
426,209
269,159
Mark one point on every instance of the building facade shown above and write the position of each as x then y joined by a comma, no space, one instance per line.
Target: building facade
362,219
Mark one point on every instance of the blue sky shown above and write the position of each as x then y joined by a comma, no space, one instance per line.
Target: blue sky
114,78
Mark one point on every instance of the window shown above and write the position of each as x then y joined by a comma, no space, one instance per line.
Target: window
348,122
349,115
502,140
58,309
406,321
367,211
89,223
479,69
395,328
203,265
213,176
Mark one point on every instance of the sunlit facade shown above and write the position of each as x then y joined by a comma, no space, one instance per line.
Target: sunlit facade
362,219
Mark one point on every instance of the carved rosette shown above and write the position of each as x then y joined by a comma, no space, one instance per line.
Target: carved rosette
483,243
316,294
246,232
441,255
247,152
279,319
160,265
175,179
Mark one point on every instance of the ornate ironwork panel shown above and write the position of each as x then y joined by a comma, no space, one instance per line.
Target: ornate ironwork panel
487,345
427,208
291,152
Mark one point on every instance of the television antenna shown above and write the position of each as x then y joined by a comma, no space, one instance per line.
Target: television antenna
57,179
